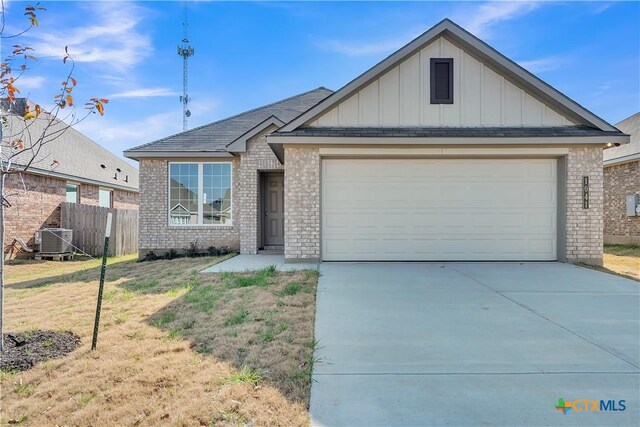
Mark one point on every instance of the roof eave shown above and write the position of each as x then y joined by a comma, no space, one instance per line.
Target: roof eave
137,155
278,139
80,179
239,145
621,160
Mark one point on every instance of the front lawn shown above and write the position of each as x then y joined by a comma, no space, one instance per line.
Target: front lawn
623,260
176,347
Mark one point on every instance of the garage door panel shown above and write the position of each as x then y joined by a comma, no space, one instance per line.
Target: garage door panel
428,209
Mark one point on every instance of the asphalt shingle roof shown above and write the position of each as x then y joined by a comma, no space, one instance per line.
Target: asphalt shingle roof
445,132
630,125
217,135
70,154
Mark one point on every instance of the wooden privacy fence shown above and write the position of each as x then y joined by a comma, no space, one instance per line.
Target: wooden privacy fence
88,224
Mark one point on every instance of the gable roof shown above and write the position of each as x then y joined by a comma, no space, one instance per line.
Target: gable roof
476,47
627,152
77,158
219,136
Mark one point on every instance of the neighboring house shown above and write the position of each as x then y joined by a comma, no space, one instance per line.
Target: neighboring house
622,187
70,168
446,150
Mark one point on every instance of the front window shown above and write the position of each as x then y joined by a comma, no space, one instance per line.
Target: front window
104,198
73,195
199,193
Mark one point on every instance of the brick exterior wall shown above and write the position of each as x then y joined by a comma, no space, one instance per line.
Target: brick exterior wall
39,206
619,181
89,195
584,226
302,204
125,199
258,158
155,233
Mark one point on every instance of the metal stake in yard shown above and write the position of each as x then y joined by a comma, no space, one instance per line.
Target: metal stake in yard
107,234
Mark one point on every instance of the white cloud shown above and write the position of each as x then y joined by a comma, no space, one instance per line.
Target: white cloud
26,83
359,48
542,65
150,92
479,20
111,37
118,135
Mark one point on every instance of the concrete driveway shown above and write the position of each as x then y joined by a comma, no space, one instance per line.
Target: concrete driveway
463,344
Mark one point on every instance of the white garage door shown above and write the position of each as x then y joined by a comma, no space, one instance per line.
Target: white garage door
436,209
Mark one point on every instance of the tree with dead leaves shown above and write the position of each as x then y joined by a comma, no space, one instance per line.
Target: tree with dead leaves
28,126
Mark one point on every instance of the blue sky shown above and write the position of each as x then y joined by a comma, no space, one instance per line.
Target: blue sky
252,53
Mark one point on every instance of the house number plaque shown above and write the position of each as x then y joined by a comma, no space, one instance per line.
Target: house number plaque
585,192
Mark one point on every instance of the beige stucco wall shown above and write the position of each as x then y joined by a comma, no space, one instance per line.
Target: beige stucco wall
302,204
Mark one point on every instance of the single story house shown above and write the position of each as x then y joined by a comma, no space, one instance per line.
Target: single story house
69,168
445,150
622,187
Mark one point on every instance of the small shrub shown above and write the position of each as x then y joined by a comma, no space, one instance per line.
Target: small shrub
193,250
213,251
149,256
224,250
171,254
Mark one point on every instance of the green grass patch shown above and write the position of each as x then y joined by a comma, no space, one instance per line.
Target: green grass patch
26,389
623,250
238,318
143,285
246,375
202,297
311,274
164,319
291,289
259,278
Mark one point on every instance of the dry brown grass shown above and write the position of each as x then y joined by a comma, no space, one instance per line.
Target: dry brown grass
623,260
176,347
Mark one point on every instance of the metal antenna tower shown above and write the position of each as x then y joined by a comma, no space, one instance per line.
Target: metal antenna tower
185,51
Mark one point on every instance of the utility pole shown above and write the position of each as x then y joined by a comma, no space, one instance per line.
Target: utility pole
185,50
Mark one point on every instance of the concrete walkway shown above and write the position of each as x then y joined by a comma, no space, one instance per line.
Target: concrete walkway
473,344
242,263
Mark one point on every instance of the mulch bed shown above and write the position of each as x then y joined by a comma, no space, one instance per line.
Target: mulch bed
25,349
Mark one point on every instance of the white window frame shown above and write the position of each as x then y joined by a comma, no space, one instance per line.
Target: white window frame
110,190
77,185
200,194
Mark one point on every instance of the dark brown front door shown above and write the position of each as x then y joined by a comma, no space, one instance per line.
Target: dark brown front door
273,191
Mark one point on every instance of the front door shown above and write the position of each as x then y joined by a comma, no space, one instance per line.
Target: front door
273,191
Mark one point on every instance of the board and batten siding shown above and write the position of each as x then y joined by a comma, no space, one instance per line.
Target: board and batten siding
482,97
